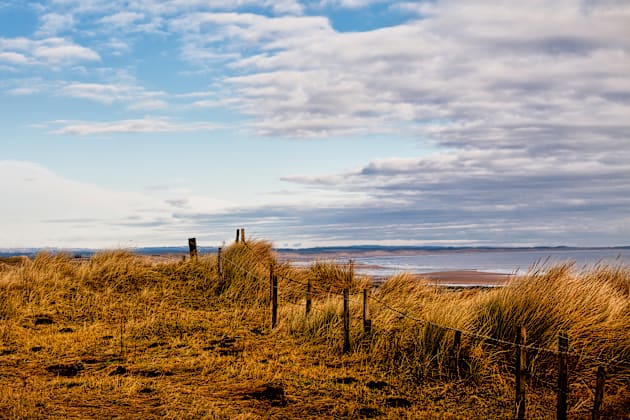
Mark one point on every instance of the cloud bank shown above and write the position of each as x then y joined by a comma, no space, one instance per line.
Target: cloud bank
527,103
43,209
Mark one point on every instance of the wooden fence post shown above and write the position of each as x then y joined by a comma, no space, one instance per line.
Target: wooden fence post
454,352
219,263
122,347
238,231
346,320
308,298
243,235
367,320
273,283
521,372
563,383
192,248
599,392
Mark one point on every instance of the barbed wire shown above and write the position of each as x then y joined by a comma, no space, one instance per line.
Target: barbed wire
326,293
261,279
434,324
500,341
483,337
243,269
610,362
313,285
301,305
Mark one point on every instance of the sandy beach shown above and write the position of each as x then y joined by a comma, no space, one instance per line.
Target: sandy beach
466,278
452,278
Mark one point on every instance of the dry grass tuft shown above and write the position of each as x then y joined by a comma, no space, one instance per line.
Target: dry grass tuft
246,272
121,333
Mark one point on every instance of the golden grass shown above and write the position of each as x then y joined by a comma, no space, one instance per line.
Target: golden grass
124,336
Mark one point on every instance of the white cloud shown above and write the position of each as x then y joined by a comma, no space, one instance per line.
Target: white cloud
48,51
144,125
148,104
13,58
41,208
122,19
499,69
506,194
35,196
248,27
117,46
58,51
104,93
135,96
23,91
533,106
150,15
55,23
20,86
123,90
277,6
285,6
350,4
506,186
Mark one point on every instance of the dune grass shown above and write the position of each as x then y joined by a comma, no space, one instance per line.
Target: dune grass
121,335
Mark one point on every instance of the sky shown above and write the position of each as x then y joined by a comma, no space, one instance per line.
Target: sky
313,123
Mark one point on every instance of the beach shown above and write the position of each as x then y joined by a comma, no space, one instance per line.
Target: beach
446,278
461,268
466,278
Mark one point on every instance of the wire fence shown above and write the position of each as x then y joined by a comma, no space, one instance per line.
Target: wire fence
485,338
482,337
310,291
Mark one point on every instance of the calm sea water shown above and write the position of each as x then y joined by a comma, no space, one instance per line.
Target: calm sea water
509,262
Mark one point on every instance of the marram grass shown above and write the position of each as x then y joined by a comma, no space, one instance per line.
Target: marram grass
127,336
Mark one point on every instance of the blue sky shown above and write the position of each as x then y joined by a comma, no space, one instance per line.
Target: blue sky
314,122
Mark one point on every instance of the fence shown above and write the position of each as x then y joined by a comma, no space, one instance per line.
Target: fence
563,353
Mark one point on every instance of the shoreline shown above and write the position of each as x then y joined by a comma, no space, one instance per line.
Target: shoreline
456,278
465,278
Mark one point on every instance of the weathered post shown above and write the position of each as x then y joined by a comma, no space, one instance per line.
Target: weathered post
563,373
238,231
273,283
219,263
367,321
521,372
192,248
454,352
599,392
122,349
346,320
308,298
243,235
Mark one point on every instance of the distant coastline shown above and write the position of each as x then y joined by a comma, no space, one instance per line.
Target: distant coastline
376,250
362,250
445,266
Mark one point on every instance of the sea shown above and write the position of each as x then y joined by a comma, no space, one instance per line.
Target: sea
493,261
393,261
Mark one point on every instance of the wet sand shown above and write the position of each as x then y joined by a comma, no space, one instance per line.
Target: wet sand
466,278
451,278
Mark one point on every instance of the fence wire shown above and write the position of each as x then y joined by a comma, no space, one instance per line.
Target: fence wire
482,337
499,341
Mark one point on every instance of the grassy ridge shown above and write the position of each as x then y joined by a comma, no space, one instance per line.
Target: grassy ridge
124,335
